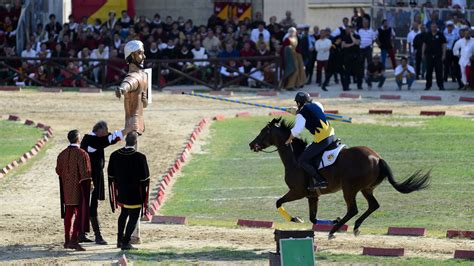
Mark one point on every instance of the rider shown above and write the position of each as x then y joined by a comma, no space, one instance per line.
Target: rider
311,116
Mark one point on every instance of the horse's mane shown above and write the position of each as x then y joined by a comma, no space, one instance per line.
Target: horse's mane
299,145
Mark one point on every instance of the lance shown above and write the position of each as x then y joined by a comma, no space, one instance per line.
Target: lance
334,117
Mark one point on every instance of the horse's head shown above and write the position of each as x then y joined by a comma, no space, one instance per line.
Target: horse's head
270,135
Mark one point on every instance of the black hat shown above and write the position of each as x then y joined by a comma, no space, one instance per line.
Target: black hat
303,97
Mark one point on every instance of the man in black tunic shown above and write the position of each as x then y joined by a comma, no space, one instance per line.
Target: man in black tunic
129,175
94,144
434,50
352,64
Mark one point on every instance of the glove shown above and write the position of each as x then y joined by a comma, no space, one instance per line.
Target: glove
117,135
118,92
292,110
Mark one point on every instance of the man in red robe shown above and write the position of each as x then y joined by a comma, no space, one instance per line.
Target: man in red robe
74,170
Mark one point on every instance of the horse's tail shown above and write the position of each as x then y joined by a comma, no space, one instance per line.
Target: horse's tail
417,181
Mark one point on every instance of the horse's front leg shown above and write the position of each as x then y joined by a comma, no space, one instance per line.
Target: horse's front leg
313,208
288,197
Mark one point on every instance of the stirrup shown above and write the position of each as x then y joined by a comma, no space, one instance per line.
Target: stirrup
318,185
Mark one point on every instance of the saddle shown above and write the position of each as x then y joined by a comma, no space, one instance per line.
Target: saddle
329,156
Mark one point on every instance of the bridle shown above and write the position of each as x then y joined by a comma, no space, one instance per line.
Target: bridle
291,146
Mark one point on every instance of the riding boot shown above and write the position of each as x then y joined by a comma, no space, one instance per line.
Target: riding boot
83,238
317,182
96,227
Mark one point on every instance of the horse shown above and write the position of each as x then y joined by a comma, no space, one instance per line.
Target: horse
356,169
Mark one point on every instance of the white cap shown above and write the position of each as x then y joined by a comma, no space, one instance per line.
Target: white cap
449,22
132,46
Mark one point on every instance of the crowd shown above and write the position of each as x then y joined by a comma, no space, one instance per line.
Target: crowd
343,54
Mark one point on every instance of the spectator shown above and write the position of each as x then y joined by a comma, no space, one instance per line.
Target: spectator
434,50
341,31
211,43
72,23
125,21
44,52
156,22
258,20
185,66
323,48
367,38
415,30
352,63
385,39
434,18
375,73
40,34
230,72
254,36
229,51
335,62
464,49
111,21
29,52
8,30
249,66
40,74
272,25
404,74
53,25
101,52
420,62
68,76
115,67
451,36
168,24
309,64
293,67
288,21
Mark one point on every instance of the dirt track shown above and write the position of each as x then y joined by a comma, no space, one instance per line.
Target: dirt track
30,225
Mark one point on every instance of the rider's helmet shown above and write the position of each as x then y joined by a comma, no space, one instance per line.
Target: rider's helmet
302,97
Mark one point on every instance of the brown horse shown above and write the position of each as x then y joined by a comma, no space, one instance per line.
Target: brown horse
356,169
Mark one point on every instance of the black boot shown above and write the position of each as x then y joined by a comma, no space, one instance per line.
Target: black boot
126,244
98,237
83,238
119,241
317,182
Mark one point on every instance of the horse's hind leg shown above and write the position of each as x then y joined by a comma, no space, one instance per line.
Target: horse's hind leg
373,205
350,198
289,196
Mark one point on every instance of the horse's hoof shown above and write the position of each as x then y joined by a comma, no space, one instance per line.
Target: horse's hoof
331,236
356,232
297,220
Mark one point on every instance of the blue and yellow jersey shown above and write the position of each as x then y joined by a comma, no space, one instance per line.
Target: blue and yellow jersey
316,122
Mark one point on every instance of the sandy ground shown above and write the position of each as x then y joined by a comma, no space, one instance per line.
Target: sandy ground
31,230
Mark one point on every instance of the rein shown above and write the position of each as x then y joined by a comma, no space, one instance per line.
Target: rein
291,146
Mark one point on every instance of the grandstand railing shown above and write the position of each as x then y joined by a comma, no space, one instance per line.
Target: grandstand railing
206,72
166,72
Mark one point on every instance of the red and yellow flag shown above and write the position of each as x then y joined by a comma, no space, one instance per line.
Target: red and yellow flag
101,8
243,10
222,9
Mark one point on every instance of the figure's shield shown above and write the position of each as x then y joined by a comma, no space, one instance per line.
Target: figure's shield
148,72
